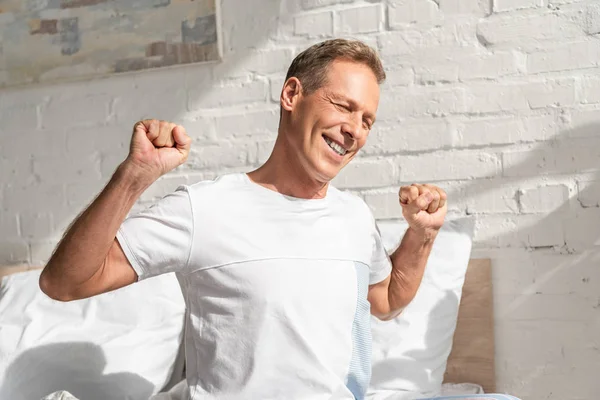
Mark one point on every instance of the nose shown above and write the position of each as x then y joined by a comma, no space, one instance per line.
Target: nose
350,128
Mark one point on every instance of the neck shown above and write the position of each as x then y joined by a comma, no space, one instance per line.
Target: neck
283,173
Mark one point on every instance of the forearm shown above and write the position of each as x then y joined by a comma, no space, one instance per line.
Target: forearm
408,266
85,245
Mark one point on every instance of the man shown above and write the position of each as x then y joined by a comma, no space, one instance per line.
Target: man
278,269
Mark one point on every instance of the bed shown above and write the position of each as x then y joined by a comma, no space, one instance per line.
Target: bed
472,356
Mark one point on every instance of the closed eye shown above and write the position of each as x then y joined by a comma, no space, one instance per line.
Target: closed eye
343,107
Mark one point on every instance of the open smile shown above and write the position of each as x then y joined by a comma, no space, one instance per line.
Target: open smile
336,147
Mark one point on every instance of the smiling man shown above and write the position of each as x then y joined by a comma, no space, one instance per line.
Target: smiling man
279,269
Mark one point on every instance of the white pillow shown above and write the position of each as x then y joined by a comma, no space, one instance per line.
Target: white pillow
411,351
119,345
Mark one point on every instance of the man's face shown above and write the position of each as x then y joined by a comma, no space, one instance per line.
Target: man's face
330,125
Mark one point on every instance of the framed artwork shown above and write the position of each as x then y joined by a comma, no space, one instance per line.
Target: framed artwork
50,40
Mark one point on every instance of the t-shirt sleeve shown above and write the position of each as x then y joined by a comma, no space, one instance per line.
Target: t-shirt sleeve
158,240
381,264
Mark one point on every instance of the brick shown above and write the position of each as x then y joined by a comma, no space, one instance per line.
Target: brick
592,19
550,93
565,56
81,194
314,25
540,161
408,41
201,128
590,87
584,123
493,98
499,29
87,140
525,231
537,231
364,19
577,157
409,138
588,193
399,76
13,252
367,174
251,124
448,166
72,169
527,273
222,155
509,5
453,7
537,128
582,229
566,157
39,198
490,197
310,4
401,13
436,102
262,62
490,229
482,132
163,186
384,205
545,199
38,143
35,225
19,119
489,65
82,111
228,95
430,74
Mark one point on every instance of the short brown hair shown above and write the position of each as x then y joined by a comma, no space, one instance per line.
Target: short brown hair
310,66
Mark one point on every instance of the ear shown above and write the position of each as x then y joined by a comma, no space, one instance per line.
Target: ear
292,90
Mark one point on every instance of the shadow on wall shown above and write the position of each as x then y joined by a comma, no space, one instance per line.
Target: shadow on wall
547,304
191,95
74,367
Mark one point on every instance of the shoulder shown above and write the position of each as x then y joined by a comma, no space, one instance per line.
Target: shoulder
352,203
218,186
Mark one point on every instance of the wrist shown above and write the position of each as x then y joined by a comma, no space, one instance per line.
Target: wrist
132,177
425,235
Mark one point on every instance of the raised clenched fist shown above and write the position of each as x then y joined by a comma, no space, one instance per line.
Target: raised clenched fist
424,207
157,147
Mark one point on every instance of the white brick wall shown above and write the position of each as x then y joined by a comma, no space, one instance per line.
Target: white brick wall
496,101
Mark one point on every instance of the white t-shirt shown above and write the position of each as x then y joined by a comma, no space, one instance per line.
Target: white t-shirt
275,287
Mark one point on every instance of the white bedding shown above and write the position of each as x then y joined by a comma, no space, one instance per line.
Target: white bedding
179,392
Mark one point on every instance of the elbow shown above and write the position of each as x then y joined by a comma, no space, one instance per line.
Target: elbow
52,289
387,316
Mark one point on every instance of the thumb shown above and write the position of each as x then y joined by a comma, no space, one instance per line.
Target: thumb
182,141
421,203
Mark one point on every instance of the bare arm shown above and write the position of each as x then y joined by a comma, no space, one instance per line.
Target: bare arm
89,260
424,207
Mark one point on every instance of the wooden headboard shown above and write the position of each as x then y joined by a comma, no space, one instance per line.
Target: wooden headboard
472,356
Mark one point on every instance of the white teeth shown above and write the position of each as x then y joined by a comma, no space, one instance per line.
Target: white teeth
336,147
